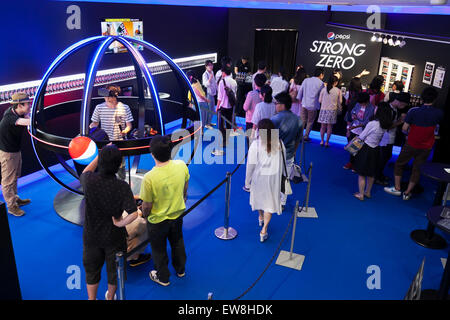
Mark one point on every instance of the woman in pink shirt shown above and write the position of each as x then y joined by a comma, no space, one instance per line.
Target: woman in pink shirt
331,104
253,99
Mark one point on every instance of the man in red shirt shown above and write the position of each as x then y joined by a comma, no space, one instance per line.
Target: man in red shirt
420,123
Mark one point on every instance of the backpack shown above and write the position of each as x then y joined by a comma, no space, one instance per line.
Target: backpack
230,94
98,134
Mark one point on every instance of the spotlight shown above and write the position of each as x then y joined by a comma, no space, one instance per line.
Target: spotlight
390,41
374,38
380,38
385,41
397,42
402,43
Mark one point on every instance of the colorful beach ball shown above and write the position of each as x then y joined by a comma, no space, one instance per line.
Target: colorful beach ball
83,150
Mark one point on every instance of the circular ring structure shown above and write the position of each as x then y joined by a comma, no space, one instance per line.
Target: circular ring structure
59,144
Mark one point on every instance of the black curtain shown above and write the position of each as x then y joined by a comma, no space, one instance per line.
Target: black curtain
276,48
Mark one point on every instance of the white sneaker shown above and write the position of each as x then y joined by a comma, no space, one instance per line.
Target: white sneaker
393,191
218,152
106,296
406,196
263,237
208,126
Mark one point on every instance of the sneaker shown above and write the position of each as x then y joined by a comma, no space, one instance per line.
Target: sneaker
348,166
154,277
208,126
181,275
246,189
143,258
106,296
406,196
263,237
16,211
393,191
22,202
261,222
218,152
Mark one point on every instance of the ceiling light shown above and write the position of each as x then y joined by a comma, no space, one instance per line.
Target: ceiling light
390,41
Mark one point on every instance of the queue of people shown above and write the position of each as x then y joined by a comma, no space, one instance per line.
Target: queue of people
279,114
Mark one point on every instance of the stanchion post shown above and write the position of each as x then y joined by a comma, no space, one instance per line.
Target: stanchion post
120,275
444,201
290,259
308,212
226,232
293,230
301,152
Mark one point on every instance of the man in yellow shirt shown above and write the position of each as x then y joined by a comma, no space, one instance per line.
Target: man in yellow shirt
163,192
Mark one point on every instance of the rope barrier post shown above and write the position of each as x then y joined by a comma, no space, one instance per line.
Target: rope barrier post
226,232
288,258
308,212
120,275
444,201
302,154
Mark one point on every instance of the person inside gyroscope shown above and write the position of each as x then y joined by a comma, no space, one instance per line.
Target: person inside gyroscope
114,117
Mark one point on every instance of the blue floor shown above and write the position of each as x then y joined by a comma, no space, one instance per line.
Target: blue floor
339,246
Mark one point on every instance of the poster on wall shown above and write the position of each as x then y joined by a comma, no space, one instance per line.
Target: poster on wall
439,77
428,72
350,51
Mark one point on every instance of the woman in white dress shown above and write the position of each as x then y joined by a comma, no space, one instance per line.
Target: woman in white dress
264,168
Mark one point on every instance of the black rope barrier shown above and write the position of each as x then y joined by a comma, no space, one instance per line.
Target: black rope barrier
145,243
276,251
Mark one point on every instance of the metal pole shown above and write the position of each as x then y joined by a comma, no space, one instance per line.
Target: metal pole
226,232
444,201
227,203
293,230
120,275
309,187
129,171
301,152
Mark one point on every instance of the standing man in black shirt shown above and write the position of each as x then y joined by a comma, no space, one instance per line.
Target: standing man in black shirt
104,234
14,121
242,69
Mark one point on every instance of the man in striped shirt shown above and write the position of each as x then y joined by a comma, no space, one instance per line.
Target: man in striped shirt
115,118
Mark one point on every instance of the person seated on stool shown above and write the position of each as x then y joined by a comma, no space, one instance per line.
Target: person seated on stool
137,234
13,124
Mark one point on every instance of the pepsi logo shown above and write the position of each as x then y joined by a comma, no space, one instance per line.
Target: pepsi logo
332,36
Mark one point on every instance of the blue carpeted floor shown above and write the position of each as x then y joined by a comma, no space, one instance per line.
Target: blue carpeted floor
339,246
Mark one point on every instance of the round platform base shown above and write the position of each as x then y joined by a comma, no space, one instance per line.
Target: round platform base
225,234
435,242
70,206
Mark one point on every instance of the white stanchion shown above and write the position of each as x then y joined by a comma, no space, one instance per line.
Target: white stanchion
288,258
307,211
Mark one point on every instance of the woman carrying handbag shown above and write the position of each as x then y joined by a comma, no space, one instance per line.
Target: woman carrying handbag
264,175
366,160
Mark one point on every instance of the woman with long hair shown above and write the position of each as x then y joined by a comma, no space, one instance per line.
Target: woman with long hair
375,90
264,109
367,159
330,99
199,94
264,168
294,88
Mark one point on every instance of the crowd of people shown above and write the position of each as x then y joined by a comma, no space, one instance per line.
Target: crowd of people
279,114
